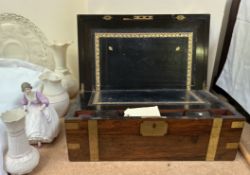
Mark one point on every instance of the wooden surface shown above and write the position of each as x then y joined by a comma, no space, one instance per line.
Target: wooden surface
78,136
54,161
186,139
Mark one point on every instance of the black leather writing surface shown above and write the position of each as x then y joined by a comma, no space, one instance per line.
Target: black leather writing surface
139,63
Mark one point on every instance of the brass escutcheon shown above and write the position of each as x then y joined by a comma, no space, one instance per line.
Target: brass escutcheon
139,17
153,128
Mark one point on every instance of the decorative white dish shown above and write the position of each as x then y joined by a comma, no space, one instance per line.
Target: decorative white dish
20,38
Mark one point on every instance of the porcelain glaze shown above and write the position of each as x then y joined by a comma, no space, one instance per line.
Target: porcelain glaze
22,39
21,158
53,90
68,81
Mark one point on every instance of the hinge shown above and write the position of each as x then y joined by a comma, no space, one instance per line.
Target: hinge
82,88
204,85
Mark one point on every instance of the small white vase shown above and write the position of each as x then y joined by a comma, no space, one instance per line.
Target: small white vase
53,90
68,81
21,158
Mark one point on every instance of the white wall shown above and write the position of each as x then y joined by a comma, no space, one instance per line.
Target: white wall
57,18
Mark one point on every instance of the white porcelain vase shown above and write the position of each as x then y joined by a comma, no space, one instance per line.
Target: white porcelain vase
21,158
68,81
53,90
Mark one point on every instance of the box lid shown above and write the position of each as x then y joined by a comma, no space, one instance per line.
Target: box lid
131,52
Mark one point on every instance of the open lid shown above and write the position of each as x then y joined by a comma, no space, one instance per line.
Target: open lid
131,52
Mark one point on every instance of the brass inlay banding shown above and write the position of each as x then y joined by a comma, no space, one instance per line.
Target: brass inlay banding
232,145
97,63
138,17
153,128
72,126
74,146
188,35
93,140
237,124
189,61
96,97
97,102
143,17
214,138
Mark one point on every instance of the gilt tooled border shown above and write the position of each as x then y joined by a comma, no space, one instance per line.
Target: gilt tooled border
188,35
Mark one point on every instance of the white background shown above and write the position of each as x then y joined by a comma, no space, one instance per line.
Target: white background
57,18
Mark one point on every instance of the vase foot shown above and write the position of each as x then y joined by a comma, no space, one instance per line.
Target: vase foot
23,164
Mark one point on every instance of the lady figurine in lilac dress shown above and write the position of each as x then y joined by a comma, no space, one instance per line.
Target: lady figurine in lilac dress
42,121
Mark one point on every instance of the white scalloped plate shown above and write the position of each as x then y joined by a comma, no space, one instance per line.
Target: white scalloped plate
20,38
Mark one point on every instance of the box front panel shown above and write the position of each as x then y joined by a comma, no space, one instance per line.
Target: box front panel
181,140
184,140
122,140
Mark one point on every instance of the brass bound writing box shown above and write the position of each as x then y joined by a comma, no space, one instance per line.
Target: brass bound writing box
129,61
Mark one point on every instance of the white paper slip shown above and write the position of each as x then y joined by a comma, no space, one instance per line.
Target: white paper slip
143,112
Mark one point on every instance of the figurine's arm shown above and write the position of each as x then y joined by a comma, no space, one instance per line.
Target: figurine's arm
24,102
44,100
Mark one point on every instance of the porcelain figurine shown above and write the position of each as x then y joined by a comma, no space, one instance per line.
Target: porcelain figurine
21,158
53,90
68,81
42,121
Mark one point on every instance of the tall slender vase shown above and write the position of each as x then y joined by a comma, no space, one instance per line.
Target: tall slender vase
68,81
21,158
53,90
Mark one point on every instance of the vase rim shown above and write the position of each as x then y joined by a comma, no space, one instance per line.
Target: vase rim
13,115
60,44
51,76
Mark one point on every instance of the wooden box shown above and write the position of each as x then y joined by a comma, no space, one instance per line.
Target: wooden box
129,61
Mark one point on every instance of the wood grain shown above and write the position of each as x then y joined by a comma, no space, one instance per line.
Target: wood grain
228,135
120,139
